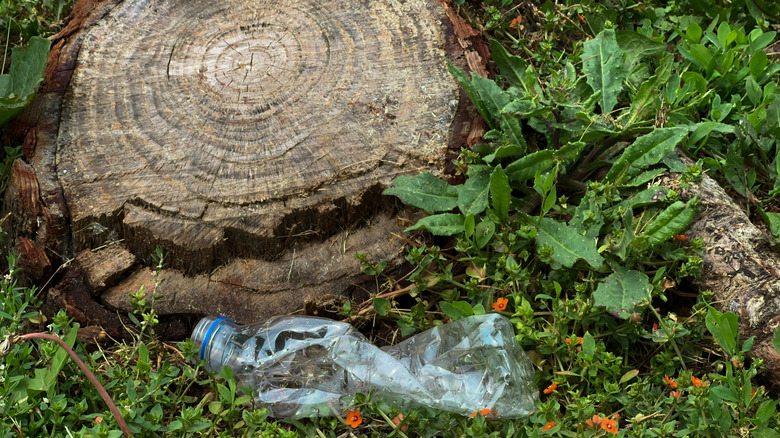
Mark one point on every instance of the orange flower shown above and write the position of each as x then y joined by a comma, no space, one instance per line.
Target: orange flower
550,388
548,426
515,22
397,420
500,304
609,425
675,394
593,422
697,382
577,341
98,420
581,18
353,418
680,237
484,412
669,381
752,392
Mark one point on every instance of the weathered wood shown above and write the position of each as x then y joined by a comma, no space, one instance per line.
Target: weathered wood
740,265
250,139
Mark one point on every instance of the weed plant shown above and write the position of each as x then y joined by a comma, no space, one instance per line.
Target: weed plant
559,226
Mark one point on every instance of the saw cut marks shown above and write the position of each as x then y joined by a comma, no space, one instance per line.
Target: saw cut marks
226,129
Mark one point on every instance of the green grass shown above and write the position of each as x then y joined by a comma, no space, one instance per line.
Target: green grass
557,215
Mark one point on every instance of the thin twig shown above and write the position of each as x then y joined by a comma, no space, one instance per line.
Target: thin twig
88,373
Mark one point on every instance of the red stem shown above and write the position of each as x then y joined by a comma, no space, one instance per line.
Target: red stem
88,373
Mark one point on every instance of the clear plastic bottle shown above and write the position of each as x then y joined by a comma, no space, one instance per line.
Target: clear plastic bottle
301,366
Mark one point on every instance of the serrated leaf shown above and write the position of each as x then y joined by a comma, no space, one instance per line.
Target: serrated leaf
646,151
603,67
622,291
456,309
672,221
445,224
567,243
424,191
473,195
500,193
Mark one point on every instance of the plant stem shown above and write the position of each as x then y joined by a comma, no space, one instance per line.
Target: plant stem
88,373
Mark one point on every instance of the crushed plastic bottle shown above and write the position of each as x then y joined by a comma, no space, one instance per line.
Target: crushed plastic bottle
299,366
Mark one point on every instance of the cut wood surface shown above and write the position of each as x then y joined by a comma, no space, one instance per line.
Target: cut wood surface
249,139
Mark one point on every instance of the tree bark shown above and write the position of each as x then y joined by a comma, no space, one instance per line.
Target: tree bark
251,140
741,265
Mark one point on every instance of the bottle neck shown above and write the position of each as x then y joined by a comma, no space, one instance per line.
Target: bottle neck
212,336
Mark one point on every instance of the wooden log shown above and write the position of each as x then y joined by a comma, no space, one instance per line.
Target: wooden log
249,139
741,265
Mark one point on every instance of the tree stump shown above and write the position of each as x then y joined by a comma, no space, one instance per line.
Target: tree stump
740,265
251,140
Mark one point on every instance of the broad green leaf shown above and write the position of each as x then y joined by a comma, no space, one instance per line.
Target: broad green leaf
702,129
525,168
382,305
484,232
588,217
644,198
424,191
758,63
734,169
622,291
473,195
17,88
759,40
765,411
724,393
697,54
636,45
445,224
644,177
646,151
694,33
503,152
772,221
643,100
493,99
46,380
568,244
456,309
672,221
471,91
500,193
603,67
512,67
724,328
628,376
588,344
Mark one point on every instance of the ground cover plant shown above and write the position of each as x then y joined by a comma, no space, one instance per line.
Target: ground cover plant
559,225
